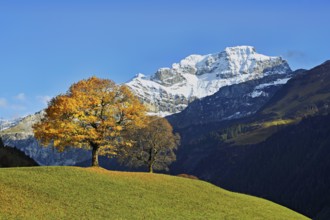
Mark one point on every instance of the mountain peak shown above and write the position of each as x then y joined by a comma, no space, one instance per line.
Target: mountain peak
245,53
196,76
246,49
326,62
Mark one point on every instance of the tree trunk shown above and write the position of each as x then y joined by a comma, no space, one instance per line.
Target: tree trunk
150,162
151,170
95,155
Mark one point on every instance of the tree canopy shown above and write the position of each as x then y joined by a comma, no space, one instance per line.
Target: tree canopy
154,145
93,114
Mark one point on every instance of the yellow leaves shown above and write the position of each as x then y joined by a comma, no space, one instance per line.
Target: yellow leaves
109,150
56,143
93,110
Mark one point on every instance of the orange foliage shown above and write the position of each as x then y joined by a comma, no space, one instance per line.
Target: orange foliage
93,113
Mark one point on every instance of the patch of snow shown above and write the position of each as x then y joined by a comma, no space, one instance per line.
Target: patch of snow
277,82
159,114
257,93
233,116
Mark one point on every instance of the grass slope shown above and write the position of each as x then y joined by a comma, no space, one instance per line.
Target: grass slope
94,193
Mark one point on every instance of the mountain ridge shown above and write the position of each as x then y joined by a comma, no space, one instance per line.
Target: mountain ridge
170,90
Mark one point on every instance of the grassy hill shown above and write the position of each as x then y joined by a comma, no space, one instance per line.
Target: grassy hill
94,193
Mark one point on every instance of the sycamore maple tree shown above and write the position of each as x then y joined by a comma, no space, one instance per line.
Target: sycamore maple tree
153,147
93,114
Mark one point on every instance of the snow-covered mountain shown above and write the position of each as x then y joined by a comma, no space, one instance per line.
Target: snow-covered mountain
170,90
5,123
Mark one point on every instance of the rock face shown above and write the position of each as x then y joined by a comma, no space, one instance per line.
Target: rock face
230,102
170,90
4,124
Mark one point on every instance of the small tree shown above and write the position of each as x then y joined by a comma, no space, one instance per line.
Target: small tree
93,114
154,145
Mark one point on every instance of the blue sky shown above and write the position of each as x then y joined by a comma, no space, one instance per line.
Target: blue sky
45,46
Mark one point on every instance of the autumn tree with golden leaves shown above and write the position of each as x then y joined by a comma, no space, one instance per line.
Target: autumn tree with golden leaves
153,147
94,114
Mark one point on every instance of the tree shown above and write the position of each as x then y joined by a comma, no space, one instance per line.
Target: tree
154,145
93,114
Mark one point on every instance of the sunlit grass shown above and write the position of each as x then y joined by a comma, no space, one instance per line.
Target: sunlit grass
277,122
261,131
94,193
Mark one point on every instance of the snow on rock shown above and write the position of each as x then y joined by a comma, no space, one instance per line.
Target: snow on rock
257,93
277,82
5,124
258,89
170,90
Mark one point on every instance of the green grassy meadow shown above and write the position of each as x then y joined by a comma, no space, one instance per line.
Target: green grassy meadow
95,193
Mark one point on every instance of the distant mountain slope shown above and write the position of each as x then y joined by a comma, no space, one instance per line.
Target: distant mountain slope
170,90
94,193
21,137
306,94
12,157
4,124
291,167
230,102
